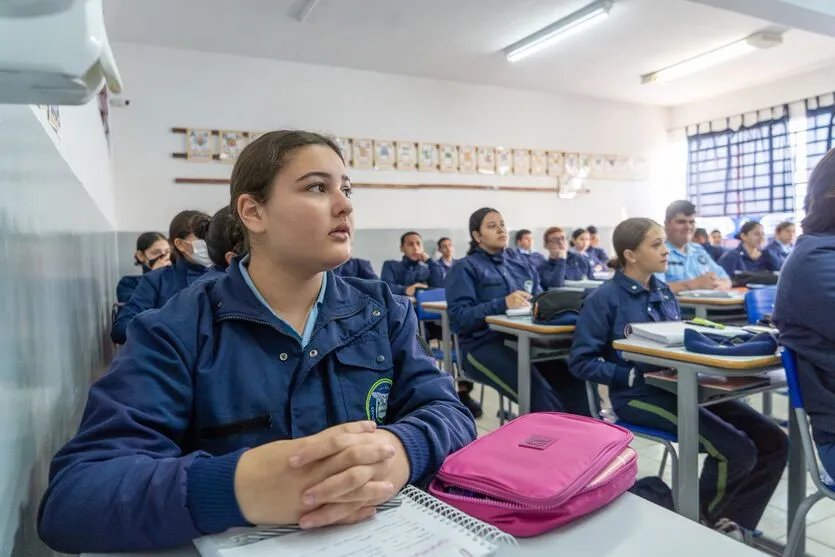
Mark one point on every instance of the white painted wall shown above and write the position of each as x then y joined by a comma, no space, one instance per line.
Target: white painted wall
81,141
784,91
177,88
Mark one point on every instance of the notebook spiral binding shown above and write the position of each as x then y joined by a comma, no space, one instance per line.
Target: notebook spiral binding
453,517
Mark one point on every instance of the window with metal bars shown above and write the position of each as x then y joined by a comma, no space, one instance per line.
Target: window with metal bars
820,127
742,172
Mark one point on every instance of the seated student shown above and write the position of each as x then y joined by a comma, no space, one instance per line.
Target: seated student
805,307
415,270
524,246
580,245
152,253
277,394
224,240
489,281
700,237
716,238
357,268
690,266
746,450
562,265
748,257
187,235
783,243
447,259
597,253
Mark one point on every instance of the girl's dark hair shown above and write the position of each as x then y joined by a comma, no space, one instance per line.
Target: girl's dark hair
747,228
576,234
224,235
184,224
442,240
782,226
145,241
628,235
475,225
261,160
820,197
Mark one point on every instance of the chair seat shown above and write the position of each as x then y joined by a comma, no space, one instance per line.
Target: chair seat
649,431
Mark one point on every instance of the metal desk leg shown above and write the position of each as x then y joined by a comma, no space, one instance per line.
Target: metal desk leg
446,343
524,374
701,312
797,478
688,438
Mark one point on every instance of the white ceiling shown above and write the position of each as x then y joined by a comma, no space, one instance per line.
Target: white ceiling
461,40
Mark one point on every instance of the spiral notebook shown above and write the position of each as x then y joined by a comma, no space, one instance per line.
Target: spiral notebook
413,524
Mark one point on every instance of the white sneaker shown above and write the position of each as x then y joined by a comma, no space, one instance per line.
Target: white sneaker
730,528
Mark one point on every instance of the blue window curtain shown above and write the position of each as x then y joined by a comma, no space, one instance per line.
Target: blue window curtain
820,127
742,172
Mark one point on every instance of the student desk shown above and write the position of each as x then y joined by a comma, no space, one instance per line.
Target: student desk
689,365
703,304
524,329
628,526
446,332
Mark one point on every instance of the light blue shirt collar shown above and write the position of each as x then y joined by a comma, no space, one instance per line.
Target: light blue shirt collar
314,311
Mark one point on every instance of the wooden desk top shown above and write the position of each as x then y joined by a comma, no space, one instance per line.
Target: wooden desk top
434,306
679,354
525,323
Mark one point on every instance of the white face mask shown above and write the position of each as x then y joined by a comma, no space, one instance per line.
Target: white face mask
200,255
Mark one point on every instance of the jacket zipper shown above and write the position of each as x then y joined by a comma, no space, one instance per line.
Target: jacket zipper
502,503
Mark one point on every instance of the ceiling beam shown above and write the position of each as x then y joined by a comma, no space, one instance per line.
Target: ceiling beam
808,15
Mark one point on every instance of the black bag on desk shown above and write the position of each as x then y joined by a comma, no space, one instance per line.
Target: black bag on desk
557,307
745,278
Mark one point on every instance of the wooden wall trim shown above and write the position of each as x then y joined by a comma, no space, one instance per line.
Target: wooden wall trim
225,181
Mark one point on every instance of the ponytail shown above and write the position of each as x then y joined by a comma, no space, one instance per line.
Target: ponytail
615,264
473,247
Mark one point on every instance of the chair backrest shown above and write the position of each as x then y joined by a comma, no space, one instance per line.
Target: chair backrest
759,302
429,295
790,366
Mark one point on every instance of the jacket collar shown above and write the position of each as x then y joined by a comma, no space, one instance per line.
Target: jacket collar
232,297
497,258
635,288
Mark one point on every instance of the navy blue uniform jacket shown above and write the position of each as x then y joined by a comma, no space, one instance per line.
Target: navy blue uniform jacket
127,284
804,311
153,291
737,260
554,272
400,275
215,372
358,268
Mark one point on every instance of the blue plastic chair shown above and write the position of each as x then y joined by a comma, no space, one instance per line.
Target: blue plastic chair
796,401
431,295
651,434
759,303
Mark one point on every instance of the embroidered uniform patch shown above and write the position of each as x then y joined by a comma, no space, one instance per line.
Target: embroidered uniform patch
377,400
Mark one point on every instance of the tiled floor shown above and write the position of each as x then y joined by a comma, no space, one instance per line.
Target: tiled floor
820,532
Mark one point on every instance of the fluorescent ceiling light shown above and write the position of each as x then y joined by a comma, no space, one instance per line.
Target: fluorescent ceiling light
572,24
757,41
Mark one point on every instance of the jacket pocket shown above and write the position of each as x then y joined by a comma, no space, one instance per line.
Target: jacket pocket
365,372
230,436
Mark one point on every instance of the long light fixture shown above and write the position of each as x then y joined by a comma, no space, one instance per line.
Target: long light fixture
757,41
569,25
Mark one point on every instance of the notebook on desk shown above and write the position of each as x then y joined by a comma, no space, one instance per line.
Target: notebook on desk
518,312
671,333
414,524
715,294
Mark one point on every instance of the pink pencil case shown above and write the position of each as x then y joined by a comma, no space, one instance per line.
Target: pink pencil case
538,472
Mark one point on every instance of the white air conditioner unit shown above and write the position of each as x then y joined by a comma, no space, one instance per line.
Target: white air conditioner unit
54,52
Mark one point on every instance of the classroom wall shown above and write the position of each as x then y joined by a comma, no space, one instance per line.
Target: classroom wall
178,88
784,91
57,271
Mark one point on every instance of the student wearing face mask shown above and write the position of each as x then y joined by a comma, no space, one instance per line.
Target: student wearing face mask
749,256
489,281
190,255
562,264
152,253
746,451
447,258
277,394
783,243
415,270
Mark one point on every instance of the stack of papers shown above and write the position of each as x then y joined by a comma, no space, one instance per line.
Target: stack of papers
671,333
583,283
721,294
517,312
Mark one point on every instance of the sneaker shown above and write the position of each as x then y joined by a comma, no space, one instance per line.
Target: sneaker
471,404
731,529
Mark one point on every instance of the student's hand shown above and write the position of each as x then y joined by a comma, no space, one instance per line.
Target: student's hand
707,281
558,253
517,299
410,291
270,480
424,257
326,498
160,262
